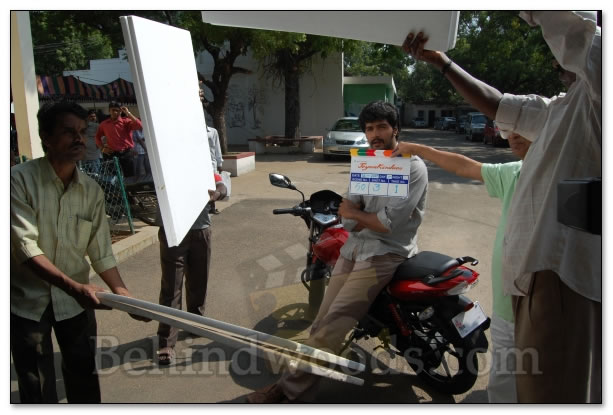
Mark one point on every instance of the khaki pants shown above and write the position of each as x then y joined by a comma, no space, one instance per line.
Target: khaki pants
352,289
558,335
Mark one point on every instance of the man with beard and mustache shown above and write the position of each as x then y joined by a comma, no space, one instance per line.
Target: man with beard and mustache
383,234
58,217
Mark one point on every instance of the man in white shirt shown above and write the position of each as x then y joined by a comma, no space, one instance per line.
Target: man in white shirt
553,271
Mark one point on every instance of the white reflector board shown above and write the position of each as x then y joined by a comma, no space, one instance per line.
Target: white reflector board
390,27
166,84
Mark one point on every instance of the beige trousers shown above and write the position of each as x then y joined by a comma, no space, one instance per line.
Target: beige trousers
352,289
558,336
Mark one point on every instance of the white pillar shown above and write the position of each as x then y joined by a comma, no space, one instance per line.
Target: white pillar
23,85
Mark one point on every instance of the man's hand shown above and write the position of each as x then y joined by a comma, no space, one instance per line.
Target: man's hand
348,209
126,293
404,148
214,195
219,193
414,46
85,294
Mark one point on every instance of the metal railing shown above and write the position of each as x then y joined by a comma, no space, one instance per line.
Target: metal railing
107,174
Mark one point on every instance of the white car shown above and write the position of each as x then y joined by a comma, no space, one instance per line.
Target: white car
343,136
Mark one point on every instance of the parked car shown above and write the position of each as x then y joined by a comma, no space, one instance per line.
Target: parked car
418,122
448,123
344,135
460,125
492,135
475,126
438,123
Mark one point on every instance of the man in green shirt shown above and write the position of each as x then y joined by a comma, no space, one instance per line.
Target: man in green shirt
57,218
500,180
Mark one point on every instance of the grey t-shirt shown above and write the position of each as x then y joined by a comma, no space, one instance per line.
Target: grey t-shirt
402,216
92,152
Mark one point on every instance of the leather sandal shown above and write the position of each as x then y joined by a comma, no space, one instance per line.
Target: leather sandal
166,356
270,394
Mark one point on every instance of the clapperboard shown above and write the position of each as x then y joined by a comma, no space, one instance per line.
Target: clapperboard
377,173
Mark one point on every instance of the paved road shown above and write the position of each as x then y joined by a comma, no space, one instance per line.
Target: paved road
254,282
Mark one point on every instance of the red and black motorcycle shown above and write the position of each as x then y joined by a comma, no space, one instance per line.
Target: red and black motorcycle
421,315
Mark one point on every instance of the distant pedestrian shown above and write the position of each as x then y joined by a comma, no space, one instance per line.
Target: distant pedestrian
119,143
93,156
141,157
216,157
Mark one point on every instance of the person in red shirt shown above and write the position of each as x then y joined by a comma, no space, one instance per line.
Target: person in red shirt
118,132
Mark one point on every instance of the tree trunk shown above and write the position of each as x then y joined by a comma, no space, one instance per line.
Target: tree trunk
219,122
292,102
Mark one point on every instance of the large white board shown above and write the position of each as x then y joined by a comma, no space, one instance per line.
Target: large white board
166,84
390,27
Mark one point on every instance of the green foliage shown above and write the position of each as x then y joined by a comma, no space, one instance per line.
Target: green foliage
502,50
68,40
283,52
497,47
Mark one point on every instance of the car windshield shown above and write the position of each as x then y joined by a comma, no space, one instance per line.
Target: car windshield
479,119
347,125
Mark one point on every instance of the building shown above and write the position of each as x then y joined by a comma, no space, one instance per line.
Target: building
360,90
255,102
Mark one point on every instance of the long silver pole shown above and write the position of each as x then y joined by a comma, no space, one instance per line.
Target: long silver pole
293,354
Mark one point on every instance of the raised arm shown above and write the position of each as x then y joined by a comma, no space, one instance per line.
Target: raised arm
457,164
480,95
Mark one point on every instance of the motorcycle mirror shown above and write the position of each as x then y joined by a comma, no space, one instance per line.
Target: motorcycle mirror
280,180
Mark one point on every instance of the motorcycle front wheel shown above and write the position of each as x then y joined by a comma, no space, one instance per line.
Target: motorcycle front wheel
441,358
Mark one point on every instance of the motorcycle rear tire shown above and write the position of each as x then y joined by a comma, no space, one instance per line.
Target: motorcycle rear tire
429,364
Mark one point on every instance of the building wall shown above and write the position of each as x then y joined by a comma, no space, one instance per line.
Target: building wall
256,105
356,96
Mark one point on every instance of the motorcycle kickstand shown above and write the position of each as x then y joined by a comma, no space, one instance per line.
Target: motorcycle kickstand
348,342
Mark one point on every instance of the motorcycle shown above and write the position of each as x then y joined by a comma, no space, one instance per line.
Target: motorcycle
421,315
139,192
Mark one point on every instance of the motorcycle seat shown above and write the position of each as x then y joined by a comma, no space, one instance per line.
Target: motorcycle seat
423,264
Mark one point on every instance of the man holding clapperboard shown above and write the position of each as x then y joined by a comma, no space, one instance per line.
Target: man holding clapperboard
383,218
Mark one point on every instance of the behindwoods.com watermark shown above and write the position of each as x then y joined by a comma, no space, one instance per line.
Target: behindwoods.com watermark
203,360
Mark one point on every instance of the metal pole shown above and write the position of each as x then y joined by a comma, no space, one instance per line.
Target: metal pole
208,327
124,196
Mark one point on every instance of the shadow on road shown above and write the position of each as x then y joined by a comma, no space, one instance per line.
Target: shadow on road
386,379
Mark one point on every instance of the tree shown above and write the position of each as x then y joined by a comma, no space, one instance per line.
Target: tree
61,44
224,44
496,47
286,56
68,40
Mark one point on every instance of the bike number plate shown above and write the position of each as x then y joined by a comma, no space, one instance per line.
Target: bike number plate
466,322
